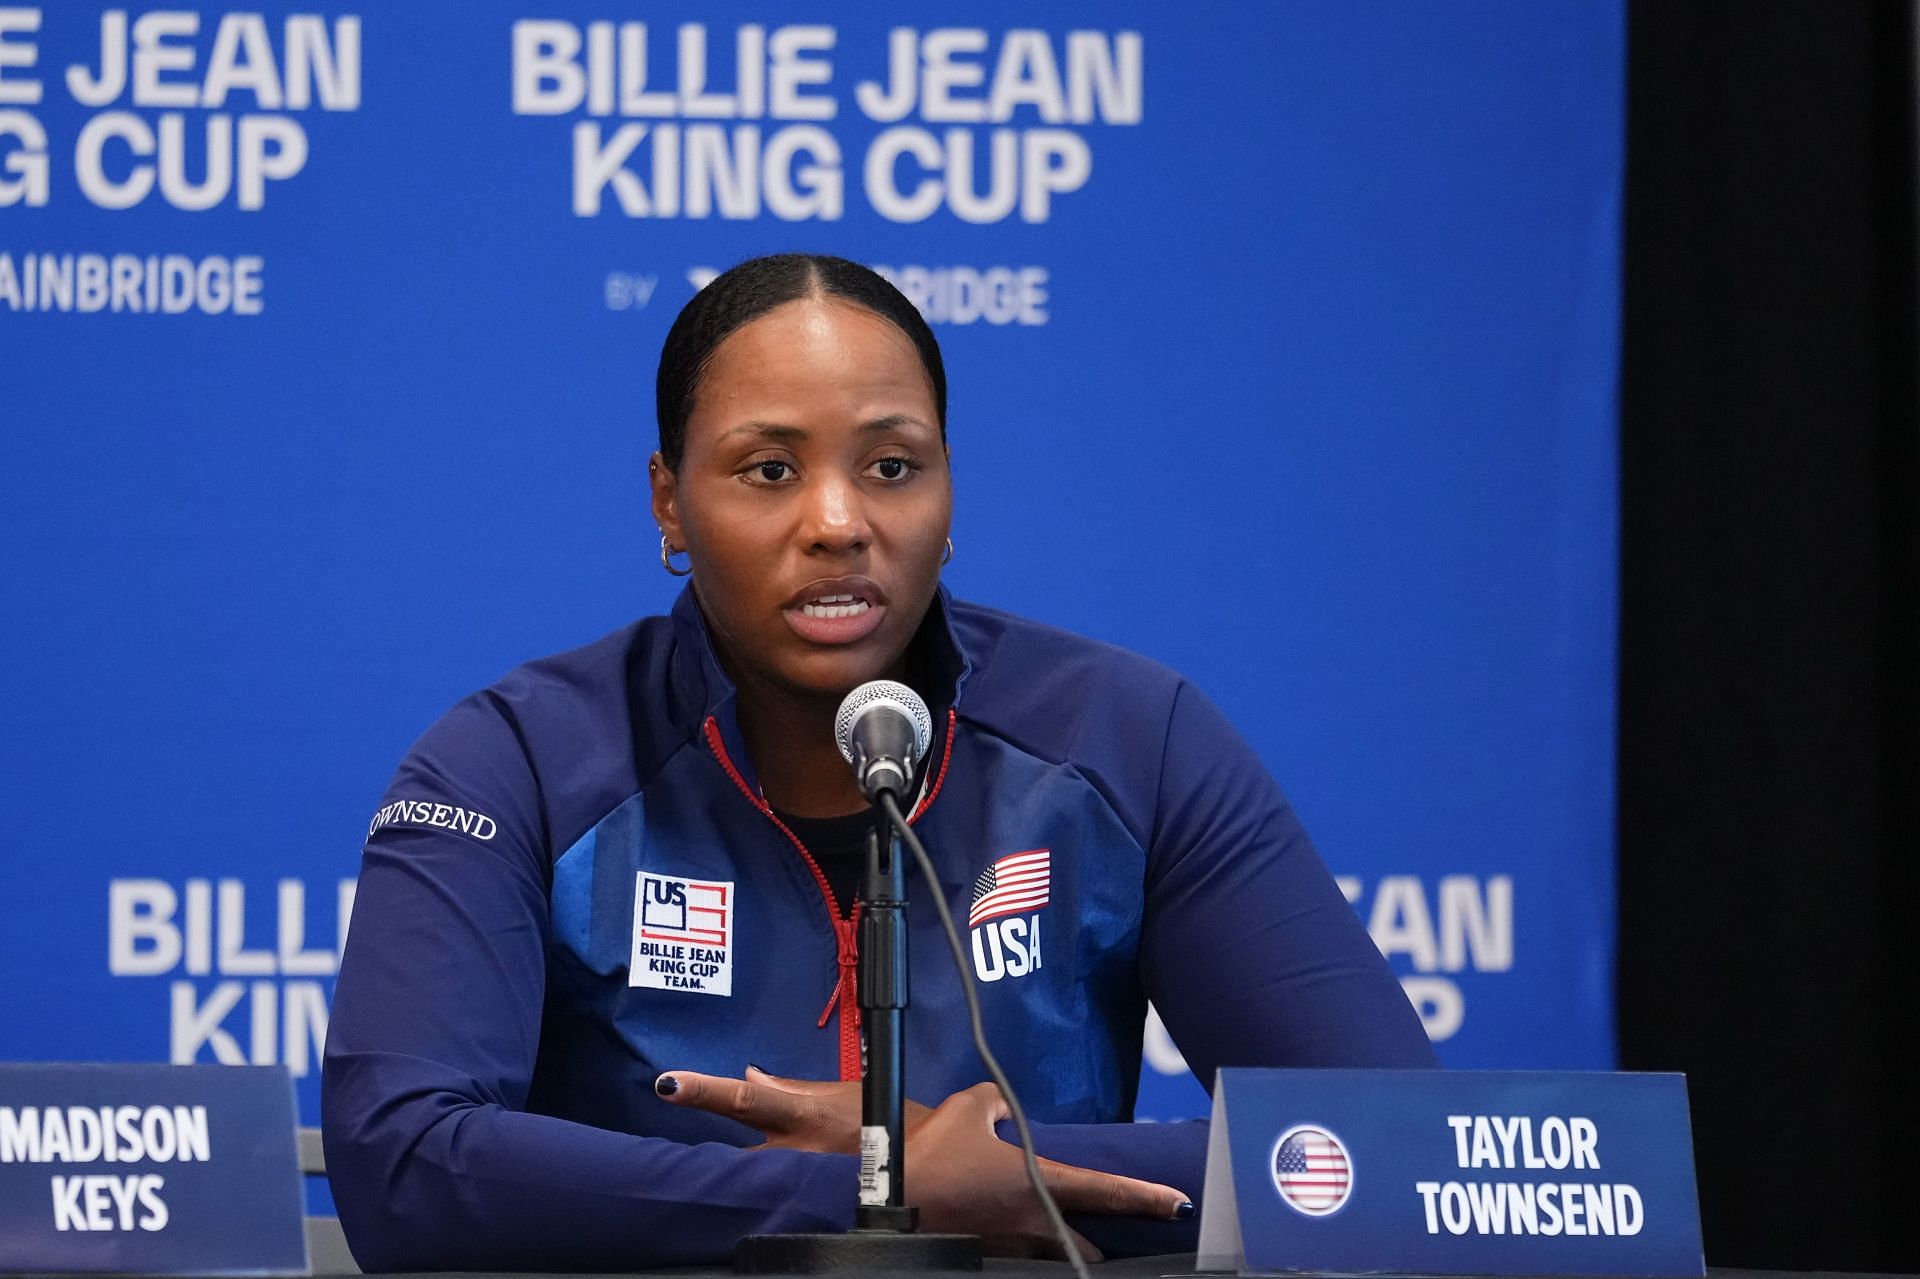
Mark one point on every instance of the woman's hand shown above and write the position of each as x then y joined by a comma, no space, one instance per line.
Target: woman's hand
792,1114
965,1180
961,1176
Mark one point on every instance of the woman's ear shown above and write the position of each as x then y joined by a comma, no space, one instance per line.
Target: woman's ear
666,505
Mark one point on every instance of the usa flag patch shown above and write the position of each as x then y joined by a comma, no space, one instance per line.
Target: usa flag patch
1015,883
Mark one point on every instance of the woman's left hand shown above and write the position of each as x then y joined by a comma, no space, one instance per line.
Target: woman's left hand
793,1114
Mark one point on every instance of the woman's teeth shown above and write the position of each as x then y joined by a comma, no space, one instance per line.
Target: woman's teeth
835,606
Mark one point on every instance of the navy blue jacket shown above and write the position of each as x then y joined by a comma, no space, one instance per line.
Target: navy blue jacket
573,883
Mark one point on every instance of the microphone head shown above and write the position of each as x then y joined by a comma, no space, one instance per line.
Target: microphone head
881,695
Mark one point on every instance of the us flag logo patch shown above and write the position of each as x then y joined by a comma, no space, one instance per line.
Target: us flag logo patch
1014,884
1312,1170
682,934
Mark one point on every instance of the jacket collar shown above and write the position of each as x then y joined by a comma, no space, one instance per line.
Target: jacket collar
701,688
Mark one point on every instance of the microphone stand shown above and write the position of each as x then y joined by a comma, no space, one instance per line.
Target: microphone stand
885,1234
882,989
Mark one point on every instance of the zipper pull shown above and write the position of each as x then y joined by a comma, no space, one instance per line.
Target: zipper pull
847,953
834,998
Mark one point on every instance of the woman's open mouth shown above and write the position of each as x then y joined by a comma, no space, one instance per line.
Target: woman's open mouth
835,606
836,613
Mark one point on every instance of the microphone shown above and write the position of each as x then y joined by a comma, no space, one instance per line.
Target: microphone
883,729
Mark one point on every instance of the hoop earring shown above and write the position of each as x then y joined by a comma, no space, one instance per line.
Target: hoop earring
948,557
666,560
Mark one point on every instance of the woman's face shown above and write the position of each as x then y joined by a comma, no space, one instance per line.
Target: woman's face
813,497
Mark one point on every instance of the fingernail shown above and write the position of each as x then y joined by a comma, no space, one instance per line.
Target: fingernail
1184,1210
755,1066
667,1085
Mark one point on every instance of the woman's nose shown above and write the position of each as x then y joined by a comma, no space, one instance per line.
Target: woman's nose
836,515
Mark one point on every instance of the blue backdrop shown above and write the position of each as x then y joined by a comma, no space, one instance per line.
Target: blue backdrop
1282,341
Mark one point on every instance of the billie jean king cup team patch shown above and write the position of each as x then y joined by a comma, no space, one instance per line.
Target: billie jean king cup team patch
682,934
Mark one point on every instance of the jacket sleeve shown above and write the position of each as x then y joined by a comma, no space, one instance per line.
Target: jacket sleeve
433,1159
1249,952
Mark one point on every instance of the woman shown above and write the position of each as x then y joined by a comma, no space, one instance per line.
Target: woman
600,889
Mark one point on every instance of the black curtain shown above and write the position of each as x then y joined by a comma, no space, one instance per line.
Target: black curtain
1768,777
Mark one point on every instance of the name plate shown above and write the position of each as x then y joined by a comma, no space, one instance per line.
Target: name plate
152,1169
1447,1172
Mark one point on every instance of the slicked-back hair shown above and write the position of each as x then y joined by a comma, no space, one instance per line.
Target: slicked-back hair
749,291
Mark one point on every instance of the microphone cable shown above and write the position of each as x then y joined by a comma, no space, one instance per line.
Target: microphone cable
899,822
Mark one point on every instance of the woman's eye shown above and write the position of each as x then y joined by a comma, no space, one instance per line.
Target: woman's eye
771,472
893,468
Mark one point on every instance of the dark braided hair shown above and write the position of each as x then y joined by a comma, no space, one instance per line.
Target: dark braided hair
749,291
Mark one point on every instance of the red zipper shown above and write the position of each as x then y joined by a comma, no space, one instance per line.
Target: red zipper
946,757
845,931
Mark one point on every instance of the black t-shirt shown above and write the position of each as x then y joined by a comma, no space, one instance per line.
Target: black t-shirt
839,847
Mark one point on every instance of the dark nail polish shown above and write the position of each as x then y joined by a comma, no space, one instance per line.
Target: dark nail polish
666,1085
1184,1211
756,1066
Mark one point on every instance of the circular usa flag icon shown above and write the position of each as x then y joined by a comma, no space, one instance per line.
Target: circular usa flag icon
1312,1170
